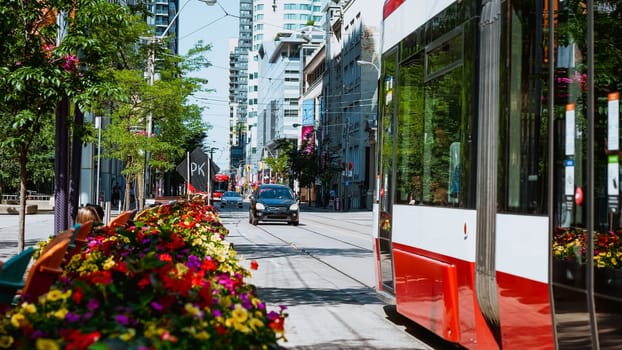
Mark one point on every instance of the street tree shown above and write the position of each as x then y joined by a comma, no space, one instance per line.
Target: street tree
279,164
164,102
36,73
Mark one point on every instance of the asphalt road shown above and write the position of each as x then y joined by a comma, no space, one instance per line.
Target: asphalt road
323,272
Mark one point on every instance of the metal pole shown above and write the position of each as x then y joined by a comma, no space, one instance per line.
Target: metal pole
61,160
98,125
209,177
188,174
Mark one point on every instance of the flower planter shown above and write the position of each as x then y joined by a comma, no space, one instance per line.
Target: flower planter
608,281
569,272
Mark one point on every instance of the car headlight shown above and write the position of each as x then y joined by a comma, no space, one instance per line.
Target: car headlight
259,206
293,207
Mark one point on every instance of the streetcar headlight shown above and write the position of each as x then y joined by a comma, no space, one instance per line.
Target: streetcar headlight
293,207
259,206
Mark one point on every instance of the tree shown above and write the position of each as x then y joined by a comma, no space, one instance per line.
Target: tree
176,122
304,163
280,163
36,74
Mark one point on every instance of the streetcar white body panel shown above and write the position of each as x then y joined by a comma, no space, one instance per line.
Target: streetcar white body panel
411,15
435,229
523,246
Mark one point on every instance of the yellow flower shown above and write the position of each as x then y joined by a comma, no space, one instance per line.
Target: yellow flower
181,269
29,308
54,295
17,320
109,263
255,323
239,314
129,335
67,294
46,344
60,313
202,335
242,328
194,311
6,341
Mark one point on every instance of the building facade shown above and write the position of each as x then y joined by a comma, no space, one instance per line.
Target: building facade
238,90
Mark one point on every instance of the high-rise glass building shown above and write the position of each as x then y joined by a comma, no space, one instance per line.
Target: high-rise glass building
164,11
238,87
274,84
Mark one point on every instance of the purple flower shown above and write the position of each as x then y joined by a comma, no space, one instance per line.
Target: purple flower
122,319
157,306
193,262
37,334
245,302
72,317
273,315
93,304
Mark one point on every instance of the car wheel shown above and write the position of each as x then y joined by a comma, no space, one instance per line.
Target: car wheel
295,223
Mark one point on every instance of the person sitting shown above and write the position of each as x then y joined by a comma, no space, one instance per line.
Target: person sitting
88,213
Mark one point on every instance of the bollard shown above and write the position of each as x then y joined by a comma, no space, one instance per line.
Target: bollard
108,211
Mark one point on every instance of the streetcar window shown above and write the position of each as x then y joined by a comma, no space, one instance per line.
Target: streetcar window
409,152
433,124
523,124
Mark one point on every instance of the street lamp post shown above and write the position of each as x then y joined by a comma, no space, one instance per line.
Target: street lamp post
209,174
374,152
153,40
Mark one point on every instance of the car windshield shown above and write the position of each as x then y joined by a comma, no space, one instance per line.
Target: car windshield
231,194
280,193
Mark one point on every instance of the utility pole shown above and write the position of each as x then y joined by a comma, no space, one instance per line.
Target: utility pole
61,161
209,174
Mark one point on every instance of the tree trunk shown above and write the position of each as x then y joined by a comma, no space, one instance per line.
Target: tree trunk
128,188
21,236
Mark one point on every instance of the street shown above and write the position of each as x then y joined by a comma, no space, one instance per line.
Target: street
321,270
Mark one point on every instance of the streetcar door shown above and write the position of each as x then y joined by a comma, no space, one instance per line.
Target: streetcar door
587,235
386,139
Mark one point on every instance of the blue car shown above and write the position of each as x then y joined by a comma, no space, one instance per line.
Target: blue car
231,199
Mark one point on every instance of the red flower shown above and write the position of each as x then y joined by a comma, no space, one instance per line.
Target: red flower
77,295
78,341
101,277
209,265
121,267
144,282
278,324
254,265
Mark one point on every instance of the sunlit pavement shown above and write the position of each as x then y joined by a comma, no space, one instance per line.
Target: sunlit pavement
38,227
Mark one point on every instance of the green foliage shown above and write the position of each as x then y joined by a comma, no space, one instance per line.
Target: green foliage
280,164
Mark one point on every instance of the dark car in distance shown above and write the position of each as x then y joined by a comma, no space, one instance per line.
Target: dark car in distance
273,202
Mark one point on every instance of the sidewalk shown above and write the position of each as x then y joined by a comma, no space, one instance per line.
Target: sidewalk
38,227
304,206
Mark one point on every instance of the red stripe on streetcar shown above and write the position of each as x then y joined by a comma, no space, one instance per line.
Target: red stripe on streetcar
390,6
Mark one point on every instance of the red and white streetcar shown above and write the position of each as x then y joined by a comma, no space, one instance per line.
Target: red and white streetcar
498,201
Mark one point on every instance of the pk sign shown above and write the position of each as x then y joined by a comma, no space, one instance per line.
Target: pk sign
199,176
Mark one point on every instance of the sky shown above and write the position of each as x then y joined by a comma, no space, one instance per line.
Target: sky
215,25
